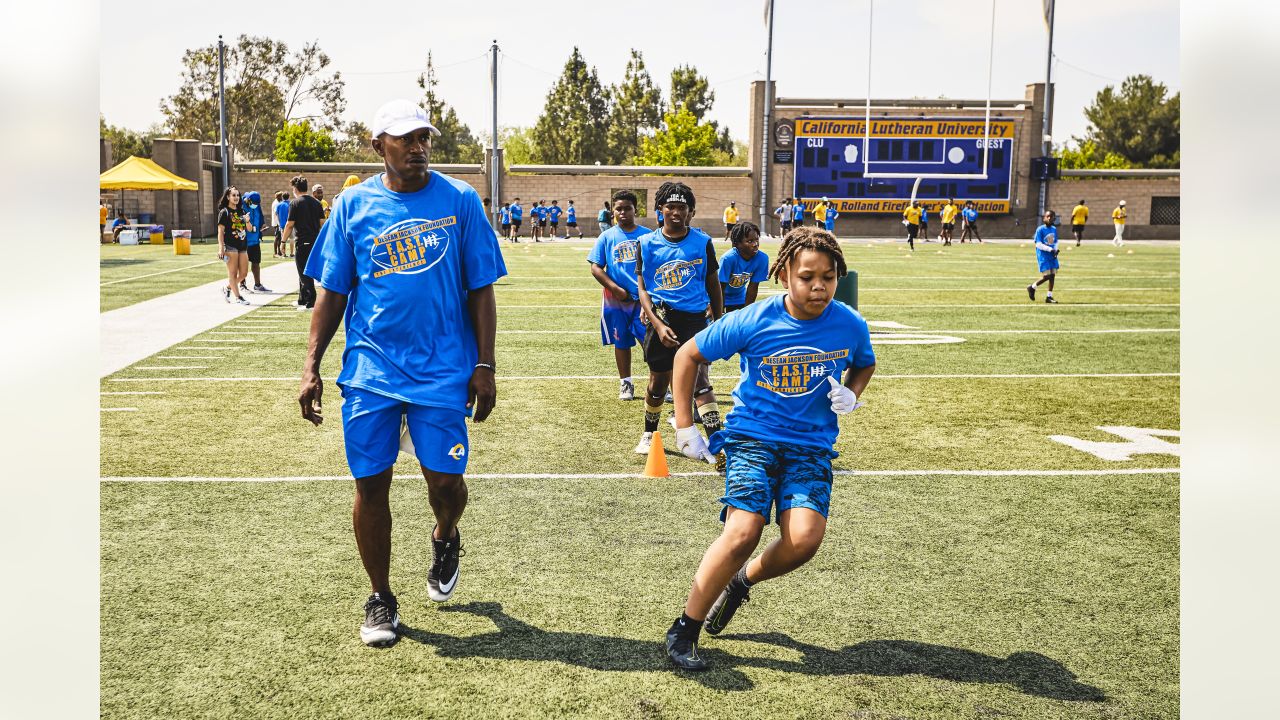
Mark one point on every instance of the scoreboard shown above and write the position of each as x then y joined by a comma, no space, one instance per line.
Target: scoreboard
831,161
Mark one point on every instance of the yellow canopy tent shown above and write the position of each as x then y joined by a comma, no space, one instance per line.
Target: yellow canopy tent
137,173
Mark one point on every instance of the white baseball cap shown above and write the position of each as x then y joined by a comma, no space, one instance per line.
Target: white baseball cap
401,117
1121,202
824,199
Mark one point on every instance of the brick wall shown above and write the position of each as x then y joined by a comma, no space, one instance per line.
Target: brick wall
1102,195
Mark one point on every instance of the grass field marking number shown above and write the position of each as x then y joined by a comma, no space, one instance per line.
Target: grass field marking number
1140,441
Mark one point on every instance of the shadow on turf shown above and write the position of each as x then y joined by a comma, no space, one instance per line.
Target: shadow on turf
514,639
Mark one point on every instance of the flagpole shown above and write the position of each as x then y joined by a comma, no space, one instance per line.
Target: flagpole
1046,147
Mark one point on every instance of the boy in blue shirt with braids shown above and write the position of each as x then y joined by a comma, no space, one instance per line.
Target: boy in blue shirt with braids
743,268
778,438
677,283
1046,240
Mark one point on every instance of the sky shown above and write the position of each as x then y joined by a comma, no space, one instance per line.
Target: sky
919,48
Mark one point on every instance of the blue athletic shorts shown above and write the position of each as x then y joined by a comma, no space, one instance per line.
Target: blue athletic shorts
760,475
621,323
371,433
1049,263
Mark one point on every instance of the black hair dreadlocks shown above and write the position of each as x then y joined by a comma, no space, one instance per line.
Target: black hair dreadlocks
669,189
808,238
741,230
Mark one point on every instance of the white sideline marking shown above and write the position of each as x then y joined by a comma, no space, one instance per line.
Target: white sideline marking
713,377
220,340
132,392
172,367
631,476
1059,332
162,272
190,357
118,409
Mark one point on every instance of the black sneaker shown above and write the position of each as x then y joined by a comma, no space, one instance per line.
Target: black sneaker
1031,292
683,652
443,578
1051,300
732,598
381,620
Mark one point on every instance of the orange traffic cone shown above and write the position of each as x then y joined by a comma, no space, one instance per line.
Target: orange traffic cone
656,464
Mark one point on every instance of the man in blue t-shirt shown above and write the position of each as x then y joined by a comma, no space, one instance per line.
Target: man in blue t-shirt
970,216
407,262
743,268
1046,240
804,361
613,265
571,220
678,283
553,217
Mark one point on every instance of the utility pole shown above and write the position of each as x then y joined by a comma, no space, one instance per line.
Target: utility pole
494,161
222,112
768,114
1046,147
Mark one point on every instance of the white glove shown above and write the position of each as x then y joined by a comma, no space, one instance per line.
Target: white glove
692,444
842,398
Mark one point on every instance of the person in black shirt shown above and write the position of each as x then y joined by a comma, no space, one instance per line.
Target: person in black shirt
232,246
305,216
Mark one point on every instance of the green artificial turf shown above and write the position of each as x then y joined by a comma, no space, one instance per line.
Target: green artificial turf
130,274
938,595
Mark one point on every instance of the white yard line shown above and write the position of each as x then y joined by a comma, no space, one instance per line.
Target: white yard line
118,409
714,377
162,272
190,357
631,476
132,392
172,367
219,340
1052,332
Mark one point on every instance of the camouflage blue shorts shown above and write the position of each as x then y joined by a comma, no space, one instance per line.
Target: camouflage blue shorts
761,475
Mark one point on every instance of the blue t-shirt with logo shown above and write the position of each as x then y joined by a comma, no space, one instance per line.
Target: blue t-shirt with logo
615,251
829,223
675,273
736,273
406,262
516,211
541,212
797,211
1047,235
571,214
969,214
504,215
554,211
785,363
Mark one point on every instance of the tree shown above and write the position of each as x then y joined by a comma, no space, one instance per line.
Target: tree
266,87
572,127
354,145
693,91
1085,154
126,142
637,111
298,142
1139,123
517,146
681,141
455,143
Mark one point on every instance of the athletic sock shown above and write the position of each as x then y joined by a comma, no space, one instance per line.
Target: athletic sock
652,412
687,627
710,417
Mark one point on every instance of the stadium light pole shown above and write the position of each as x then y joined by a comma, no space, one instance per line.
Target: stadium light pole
222,112
768,114
495,166
1046,141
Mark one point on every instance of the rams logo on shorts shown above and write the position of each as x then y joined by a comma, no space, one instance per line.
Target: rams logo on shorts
798,371
457,452
411,246
675,274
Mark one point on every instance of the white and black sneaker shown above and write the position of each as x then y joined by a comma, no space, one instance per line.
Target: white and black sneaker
442,580
226,293
381,620
626,390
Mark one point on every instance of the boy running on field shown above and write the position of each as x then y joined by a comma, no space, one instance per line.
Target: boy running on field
1046,240
571,220
677,282
743,268
613,265
778,438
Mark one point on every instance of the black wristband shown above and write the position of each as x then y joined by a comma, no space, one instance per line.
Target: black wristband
491,368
